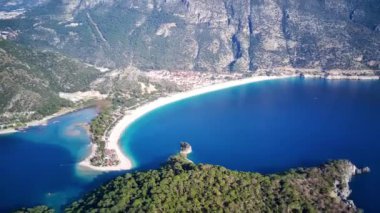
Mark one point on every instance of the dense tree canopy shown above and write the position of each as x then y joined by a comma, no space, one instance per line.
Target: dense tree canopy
181,186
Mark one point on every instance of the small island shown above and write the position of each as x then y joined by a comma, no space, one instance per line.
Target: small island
114,119
181,185
185,149
160,88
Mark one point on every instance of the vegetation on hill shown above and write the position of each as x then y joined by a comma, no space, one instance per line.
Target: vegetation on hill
233,35
37,209
98,128
181,186
31,80
127,89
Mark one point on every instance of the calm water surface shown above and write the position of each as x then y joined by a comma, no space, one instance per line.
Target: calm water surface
265,127
38,166
270,127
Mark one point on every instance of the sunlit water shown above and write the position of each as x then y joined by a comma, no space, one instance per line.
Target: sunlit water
265,127
270,127
39,165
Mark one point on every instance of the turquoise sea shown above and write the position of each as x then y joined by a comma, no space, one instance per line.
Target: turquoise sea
270,127
266,127
39,165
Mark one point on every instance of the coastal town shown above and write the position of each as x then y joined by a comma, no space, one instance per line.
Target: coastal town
105,149
189,106
106,154
190,80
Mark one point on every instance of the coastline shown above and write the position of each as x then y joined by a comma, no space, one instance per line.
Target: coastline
125,163
42,122
341,77
132,115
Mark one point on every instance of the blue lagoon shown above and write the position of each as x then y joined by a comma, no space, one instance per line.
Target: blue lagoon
39,165
270,127
266,127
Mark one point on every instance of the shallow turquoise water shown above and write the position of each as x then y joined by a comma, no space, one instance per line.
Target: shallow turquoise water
38,165
265,127
270,127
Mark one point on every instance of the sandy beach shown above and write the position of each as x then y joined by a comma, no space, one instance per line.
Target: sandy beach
132,115
125,163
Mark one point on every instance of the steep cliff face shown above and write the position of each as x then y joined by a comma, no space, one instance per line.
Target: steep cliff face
233,35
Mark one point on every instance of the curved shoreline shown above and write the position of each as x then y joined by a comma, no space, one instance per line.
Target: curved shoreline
42,122
132,115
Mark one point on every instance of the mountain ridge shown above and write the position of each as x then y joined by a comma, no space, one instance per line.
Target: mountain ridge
209,35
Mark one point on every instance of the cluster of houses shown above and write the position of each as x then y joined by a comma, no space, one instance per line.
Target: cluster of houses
190,80
109,158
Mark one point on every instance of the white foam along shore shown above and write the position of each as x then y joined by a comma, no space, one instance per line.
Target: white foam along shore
132,115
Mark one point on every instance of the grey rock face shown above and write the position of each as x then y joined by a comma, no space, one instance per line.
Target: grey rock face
211,35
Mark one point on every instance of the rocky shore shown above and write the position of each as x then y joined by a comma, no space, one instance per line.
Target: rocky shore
341,185
185,149
317,189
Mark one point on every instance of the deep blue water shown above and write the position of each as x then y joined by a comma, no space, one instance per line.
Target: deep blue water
270,127
38,165
264,127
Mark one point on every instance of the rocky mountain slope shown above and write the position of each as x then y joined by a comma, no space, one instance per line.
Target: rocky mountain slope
212,35
207,35
34,84
31,80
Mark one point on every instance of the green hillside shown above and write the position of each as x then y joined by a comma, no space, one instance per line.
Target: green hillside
31,80
181,186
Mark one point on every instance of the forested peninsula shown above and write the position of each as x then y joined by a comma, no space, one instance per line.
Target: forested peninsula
182,186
